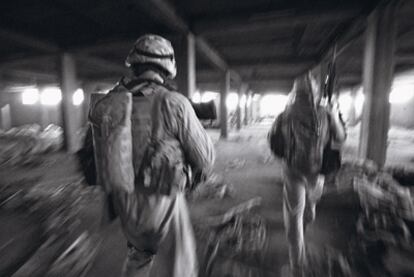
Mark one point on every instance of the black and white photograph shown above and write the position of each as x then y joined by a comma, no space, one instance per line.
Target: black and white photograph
207,138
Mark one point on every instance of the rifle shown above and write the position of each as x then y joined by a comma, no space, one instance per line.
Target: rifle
329,83
331,161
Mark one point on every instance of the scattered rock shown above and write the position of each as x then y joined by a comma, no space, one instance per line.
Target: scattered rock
232,244
235,164
212,188
68,250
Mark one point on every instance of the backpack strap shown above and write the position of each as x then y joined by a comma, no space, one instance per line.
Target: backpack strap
159,91
157,117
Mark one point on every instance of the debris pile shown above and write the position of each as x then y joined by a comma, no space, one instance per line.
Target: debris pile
382,194
388,210
213,187
329,263
403,174
267,159
69,249
23,145
232,244
383,230
352,169
235,164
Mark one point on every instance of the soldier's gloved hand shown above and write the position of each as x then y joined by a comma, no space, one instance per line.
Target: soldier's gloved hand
199,177
337,124
334,111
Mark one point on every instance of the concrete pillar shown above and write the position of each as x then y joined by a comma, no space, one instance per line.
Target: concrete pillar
68,85
238,109
225,88
5,112
5,117
241,111
378,70
245,109
186,64
254,108
248,107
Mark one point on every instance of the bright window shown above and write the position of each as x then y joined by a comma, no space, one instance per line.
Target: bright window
78,97
272,104
196,98
232,100
30,96
51,96
208,96
401,94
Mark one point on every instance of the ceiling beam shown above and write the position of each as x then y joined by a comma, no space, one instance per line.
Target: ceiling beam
52,50
346,34
209,76
343,37
277,20
248,73
280,60
165,13
29,74
22,60
402,55
105,46
101,63
297,39
211,54
264,36
265,50
27,41
262,86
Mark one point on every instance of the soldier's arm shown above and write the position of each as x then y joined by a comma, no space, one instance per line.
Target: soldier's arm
197,145
337,125
275,138
86,158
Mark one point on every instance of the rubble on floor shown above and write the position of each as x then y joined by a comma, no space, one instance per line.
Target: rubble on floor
68,249
267,159
23,145
232,244
235,164
403,174
233,241
214,187
384,228
329,263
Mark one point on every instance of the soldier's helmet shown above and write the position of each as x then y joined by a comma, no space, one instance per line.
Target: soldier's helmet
153,49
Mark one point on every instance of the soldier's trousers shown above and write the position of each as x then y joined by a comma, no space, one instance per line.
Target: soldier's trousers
162,243
300,196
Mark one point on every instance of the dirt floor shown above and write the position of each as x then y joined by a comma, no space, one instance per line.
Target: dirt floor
245,162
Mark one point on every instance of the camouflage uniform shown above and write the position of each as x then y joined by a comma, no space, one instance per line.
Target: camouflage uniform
156,223
157,226
303,185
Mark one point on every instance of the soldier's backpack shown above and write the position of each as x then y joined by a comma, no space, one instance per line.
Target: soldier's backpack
163,169
276,139
304,142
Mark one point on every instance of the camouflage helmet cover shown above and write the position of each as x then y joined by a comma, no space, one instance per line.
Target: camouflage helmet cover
153,49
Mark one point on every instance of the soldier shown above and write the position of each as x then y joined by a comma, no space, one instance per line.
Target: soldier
167,143
299,137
